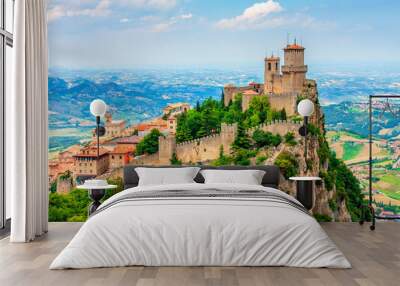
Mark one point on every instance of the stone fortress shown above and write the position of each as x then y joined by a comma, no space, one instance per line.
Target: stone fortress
281,85
207,148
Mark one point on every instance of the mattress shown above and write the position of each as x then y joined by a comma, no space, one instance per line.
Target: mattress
201,225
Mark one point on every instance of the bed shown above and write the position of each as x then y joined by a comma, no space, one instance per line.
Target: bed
198,224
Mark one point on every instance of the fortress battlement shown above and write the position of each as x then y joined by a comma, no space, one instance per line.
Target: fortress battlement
226,129
199,140
280,127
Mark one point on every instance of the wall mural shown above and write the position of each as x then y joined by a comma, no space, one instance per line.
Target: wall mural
221,116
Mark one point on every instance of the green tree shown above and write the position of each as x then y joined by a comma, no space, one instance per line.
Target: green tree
119,182
234,111
262,138
242,157
288,164
290,139
242,140
260,160
283,114
174,160
53,186
73,206
222,160
322,217
257,112
347,186
149,144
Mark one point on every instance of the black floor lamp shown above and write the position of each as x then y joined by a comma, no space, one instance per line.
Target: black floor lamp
370,206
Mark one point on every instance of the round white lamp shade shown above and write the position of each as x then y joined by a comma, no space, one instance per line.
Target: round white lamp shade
305,107
98,107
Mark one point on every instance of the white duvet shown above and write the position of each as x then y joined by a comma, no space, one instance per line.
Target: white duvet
200,231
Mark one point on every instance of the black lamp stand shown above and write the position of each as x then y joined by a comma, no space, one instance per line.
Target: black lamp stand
98,135
97,194
303,132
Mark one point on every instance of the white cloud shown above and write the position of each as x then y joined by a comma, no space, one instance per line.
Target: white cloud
252,15
186,16
156,4
124,20
60,10
167,25
97,8
56,12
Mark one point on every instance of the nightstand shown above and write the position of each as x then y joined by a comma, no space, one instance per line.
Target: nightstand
96,190
305,190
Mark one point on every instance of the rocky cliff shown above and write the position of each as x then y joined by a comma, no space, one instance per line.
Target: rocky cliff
327,202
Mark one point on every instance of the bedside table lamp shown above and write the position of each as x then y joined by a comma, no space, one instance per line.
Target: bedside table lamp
305,190
305,108
98,108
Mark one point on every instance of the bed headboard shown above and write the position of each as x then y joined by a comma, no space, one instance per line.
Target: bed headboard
271,178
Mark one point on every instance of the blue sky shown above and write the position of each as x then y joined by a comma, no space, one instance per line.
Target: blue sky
216,33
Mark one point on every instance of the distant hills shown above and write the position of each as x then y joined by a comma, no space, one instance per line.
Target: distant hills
139,95
354,117
69,101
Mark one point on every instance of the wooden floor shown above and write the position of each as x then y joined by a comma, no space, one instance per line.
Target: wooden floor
375,257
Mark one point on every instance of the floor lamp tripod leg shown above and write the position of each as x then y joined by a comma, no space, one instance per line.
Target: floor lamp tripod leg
372,226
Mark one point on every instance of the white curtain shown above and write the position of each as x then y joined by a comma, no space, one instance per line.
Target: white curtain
26,145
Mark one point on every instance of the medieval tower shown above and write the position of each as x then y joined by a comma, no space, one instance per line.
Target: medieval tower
294,71
272,75
282,84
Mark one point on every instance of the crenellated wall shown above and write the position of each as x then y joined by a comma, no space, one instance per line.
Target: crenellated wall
280,127
207,148
166,147
193,151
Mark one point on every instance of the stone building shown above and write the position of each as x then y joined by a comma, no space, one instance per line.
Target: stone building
282,84
174,109
121,155
145,128
114,128
87,164
172,123
63,162
293,75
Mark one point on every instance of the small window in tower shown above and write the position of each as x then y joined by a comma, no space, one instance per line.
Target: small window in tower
269,66
276,66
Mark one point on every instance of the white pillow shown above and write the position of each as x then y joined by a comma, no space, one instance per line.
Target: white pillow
248,177
166,176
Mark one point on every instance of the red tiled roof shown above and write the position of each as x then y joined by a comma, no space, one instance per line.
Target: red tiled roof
92,152
130,140
294,47
123,149
157,123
